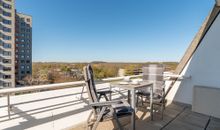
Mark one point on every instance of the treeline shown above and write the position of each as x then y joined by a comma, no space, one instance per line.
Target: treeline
46,73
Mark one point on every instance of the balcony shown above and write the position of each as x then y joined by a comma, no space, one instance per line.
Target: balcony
65,106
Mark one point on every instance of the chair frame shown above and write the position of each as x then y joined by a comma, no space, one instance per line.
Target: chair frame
99,108
162,102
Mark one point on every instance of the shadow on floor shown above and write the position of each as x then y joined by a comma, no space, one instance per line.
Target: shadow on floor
176,116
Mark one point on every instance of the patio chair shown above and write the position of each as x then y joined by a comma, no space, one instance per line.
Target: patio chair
101,93
102,111
154,73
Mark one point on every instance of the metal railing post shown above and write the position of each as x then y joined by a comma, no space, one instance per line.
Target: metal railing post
81,96
9,106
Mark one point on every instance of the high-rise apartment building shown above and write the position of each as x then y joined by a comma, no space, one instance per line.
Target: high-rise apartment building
23,46
7,43
15,44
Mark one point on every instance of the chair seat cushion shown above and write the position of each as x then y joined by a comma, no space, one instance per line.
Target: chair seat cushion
147,95
121,110
140,93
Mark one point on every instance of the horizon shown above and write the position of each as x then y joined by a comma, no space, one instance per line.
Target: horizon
113,31
106,62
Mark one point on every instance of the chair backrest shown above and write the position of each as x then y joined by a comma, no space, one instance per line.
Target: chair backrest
90,84
154,73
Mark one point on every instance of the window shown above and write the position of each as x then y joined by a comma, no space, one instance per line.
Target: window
22,40
28,20
7,76
22,56
6,68
22,61
7,6
6,14
6,45
22,67
28,72
7,61
28,36
6,53
28,67
5,21
22,24
28,61
22,51
22,30
6,37
5,29
6,84
28,40
28,30
28,56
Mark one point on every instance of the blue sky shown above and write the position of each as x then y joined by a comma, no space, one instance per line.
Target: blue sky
113,30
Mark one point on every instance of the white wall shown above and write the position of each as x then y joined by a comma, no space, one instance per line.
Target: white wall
203,67
206,100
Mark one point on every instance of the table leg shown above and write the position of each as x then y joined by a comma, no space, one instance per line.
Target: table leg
129,96
110,95
133,105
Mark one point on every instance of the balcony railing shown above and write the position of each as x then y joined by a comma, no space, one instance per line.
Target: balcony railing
12,91
76,87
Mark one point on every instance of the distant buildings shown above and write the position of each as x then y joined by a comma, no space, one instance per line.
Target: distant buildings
15,44
23,45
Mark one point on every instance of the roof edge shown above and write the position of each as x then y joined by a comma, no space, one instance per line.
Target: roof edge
198,38
217,2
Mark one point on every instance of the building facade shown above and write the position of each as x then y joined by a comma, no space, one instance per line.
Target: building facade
7,42
9,50
23,45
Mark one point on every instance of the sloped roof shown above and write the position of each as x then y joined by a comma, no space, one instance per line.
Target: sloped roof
199,37
217,2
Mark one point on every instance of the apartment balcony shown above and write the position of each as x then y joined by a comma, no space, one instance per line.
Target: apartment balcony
8,1
65,106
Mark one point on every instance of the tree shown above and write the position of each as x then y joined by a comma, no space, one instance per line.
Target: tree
28,80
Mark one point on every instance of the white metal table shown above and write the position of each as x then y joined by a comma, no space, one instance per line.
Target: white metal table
132,92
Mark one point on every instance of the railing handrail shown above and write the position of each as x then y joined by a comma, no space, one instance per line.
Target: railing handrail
60,86
55,86
120,78
66,85
40,87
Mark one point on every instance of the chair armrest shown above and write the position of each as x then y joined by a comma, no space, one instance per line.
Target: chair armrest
104,91
106,103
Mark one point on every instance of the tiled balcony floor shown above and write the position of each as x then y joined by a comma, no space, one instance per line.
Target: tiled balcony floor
176,116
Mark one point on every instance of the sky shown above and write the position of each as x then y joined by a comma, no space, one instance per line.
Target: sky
113,30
